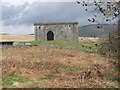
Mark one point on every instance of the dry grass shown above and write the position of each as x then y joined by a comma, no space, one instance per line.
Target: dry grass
88,39
58,68
11,37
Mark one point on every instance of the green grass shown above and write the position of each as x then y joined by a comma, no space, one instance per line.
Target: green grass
64,44
9,79
0,50
79,46
117,79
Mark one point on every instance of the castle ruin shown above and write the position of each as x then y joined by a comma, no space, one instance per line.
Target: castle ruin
66,31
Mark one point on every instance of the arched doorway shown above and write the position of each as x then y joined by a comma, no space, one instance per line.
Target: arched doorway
50,35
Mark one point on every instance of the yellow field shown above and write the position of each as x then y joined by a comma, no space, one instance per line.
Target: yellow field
11,37
88,39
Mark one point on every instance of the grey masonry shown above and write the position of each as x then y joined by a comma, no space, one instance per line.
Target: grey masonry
66,31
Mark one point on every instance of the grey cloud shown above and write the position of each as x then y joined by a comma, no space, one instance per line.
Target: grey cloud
43,12
11,11
20,20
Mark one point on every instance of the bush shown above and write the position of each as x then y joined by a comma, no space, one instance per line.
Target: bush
109,45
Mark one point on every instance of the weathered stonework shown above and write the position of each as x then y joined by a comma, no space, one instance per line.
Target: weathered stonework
56,31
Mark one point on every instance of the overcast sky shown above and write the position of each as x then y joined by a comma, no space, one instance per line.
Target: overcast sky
18,16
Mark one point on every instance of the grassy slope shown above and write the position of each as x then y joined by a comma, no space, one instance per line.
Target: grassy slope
77,45
56,68
87,32
91,30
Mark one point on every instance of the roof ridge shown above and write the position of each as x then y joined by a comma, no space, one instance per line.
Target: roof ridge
51,23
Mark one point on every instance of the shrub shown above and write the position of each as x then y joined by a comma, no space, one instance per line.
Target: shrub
109,45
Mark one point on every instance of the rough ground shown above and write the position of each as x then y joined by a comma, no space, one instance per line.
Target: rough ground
56,68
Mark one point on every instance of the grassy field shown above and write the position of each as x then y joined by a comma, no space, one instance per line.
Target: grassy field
45,67
13,37
78,45
49,67
87,43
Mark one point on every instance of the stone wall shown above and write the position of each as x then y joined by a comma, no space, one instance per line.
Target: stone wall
61,31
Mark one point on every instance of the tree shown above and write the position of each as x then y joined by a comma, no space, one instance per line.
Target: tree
109,11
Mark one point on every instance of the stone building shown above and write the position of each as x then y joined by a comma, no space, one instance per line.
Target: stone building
67,31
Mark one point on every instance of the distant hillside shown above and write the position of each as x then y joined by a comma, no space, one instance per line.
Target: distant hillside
92,30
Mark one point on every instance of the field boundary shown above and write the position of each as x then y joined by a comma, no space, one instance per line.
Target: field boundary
53,46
